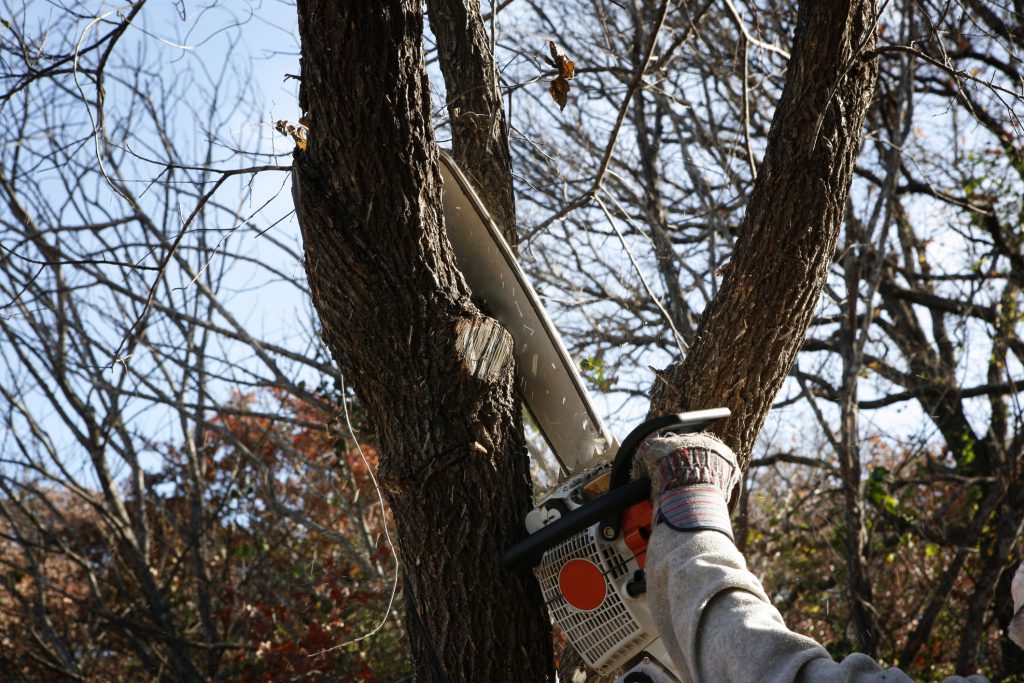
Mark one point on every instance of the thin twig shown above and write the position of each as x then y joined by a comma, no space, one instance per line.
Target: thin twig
640,273
177,242
602,168
387,533
741,25
746,114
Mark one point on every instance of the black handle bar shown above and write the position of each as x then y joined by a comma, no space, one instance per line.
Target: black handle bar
529,551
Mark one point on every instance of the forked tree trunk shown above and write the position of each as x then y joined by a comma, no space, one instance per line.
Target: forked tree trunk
479,129
434,374
396,313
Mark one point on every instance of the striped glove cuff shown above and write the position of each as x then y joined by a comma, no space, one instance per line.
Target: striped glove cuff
692,477
695,508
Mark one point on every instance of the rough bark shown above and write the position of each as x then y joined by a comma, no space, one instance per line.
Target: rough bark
397,317
751,331
479,130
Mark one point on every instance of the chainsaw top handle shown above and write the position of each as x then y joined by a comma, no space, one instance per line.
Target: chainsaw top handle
622,493
683,423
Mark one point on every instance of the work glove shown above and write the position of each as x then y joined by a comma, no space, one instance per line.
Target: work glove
692,478
1016,630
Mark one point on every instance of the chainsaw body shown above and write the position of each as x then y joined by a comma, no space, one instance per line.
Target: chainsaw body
588,549
595,589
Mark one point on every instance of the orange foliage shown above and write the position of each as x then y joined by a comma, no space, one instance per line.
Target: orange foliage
294,558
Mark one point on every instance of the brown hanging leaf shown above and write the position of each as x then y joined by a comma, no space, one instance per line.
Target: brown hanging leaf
566,67
559,88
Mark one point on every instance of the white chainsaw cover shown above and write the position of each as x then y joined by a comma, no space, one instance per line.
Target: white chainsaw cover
620,628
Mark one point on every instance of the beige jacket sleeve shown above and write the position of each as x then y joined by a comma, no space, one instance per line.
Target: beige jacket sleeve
719,625
1016,630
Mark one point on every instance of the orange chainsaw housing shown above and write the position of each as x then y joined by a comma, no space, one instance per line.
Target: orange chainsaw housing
636,529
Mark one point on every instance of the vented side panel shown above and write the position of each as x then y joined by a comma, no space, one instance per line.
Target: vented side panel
607,636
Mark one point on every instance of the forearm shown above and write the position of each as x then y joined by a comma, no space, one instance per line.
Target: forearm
1016,630
718,624
713,614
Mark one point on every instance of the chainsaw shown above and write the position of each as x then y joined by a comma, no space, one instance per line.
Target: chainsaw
587,539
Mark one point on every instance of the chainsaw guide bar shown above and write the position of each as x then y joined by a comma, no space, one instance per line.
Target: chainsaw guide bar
550,384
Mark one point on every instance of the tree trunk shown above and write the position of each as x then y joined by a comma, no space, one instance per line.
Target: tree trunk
863,619
479,130
751,331
434,374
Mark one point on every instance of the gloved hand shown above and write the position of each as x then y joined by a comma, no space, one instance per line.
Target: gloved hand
692,478
1016,630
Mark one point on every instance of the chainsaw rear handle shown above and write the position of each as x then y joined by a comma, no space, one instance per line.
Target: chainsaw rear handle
622,493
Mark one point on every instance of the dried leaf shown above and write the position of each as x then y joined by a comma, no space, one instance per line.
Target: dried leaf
297,133
559,90
566,67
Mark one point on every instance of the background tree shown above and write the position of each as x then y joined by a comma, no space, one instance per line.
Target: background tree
278,597
182,495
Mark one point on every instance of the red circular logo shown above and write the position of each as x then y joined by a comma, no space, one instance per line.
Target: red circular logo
582,584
